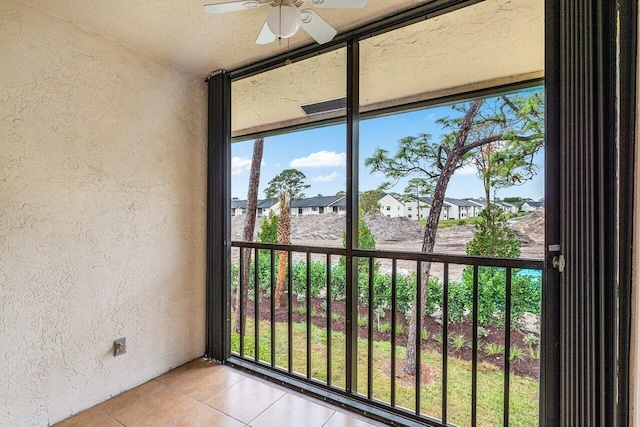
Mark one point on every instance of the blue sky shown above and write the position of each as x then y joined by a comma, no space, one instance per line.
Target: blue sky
320,155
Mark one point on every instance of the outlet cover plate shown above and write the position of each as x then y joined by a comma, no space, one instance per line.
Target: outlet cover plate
119,347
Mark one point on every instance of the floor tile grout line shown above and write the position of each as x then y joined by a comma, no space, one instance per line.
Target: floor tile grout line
267,408
185,414
230,415
108,415
191,397
329,419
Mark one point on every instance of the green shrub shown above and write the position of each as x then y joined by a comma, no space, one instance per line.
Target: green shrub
318,278
269,229
385,327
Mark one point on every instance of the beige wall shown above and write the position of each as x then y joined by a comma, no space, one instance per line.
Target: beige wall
102,217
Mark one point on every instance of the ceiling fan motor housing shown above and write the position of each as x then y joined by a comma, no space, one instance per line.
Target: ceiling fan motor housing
284,20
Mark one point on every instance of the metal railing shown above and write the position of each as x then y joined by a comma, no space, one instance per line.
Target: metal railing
366,261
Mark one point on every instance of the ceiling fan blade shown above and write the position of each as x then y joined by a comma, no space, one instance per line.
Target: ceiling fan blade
233,6
345,4
317,27
265,36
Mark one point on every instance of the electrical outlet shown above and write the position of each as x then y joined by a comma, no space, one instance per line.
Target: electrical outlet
119,347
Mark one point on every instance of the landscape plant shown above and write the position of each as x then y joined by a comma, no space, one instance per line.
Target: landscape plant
494,349
286,186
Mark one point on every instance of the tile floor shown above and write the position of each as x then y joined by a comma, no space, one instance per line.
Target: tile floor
202,393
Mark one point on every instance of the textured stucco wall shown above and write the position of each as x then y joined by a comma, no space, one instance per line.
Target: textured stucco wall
102,208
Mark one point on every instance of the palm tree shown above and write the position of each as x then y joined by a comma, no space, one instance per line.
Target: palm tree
284,238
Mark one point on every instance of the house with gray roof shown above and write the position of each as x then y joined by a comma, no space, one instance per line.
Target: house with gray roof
315,205
532,206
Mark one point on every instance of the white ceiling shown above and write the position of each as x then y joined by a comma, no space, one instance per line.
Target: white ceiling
179,32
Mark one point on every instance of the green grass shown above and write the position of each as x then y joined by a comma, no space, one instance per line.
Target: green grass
445,223
523,397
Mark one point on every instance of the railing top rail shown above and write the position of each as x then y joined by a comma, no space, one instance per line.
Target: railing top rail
290,248
525,263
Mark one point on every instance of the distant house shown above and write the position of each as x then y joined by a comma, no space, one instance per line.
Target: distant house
340,207
411,209
460,209
531,206
265,206
508,207
315,205
417,209
479,205
238,207
391,206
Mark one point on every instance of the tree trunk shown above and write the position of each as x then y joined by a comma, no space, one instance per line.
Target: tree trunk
249,229
431,229
487,191
284,237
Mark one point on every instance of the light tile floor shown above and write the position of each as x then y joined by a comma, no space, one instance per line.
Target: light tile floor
202,393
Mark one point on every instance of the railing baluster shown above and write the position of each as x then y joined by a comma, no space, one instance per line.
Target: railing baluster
241,282
256,300
329,297
273,310
419,315
289,310
445,340
474,354
370,331
394,284
308,303
507,345
395,404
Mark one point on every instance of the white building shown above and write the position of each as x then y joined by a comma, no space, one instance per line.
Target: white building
507,207
461,209
479,205
411,209
390,206
531,206
316,205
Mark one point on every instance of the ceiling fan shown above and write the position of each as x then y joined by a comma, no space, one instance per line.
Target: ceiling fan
285,18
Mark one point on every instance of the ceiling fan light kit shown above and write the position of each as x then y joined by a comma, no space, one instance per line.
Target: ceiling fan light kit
284,21
285,18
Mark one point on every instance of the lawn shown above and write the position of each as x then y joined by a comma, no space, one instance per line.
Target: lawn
445,223
523,395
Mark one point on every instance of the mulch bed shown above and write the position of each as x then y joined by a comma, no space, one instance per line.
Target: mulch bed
524,366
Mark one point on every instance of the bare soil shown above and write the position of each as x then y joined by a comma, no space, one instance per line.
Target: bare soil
401,234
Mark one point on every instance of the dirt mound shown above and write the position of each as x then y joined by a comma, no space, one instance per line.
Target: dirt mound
531,226
385,229
331,226
328,226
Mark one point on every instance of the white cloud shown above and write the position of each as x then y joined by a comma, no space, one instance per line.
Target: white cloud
239,164
468,169
320,159
326,178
